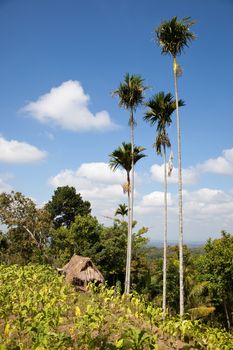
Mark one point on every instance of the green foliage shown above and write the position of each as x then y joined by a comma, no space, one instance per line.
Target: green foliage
28,228
113,254
86,232
37,299
130,92
122,158
216,267
65,205
122,210
136,339
173,36
81,238
39,311
160,109
112,257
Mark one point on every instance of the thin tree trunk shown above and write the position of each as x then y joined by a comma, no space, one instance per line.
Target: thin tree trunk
227,315
39,245
165,236
181,263
127,257
129,243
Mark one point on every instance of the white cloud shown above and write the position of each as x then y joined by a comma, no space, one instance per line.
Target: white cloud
206,212
220,165
155,199
101,172
19,152
189,175
88,174
97,183
67,107
206,195
109,193
208,205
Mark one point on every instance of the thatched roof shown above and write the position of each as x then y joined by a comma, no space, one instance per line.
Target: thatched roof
81,268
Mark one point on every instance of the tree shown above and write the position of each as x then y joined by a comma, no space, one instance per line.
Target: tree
216,268
130,94
28,226
172,277
4,246
113,259
65,205
160,109
81,238
86,231
122,210
122,158
173,36
112,256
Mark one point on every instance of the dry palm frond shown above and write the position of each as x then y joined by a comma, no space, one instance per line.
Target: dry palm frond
199,288
178,70
201,311
170,164
126,187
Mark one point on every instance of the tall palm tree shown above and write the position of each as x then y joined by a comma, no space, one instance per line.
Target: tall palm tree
130,94
122,210
173,36
163,141
160,109
123,158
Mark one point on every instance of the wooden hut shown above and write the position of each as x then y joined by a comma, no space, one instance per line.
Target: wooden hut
80,271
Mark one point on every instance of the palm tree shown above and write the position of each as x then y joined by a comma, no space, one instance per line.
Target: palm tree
161,107
163,141
123,158
122,210
130,94
173,36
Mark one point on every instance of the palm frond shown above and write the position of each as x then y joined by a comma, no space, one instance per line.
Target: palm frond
201,311
122,158
173,36
122,210
160,109
130,92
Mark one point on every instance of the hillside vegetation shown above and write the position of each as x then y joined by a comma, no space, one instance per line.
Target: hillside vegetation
39,311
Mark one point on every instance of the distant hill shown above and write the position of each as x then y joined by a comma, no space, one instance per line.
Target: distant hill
190,244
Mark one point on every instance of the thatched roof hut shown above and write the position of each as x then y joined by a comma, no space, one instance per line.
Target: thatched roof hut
81,270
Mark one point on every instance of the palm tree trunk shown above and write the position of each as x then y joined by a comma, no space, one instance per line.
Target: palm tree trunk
165,236
127,277
129,243
181,263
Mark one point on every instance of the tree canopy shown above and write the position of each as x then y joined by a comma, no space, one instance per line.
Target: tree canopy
65,205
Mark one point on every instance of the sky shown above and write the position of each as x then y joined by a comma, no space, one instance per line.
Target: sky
60,62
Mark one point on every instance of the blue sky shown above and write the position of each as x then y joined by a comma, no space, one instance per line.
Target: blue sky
61,60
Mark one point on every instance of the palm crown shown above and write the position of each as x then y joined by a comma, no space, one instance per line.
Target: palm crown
174,35
122,158
122,210
161,106
130,92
